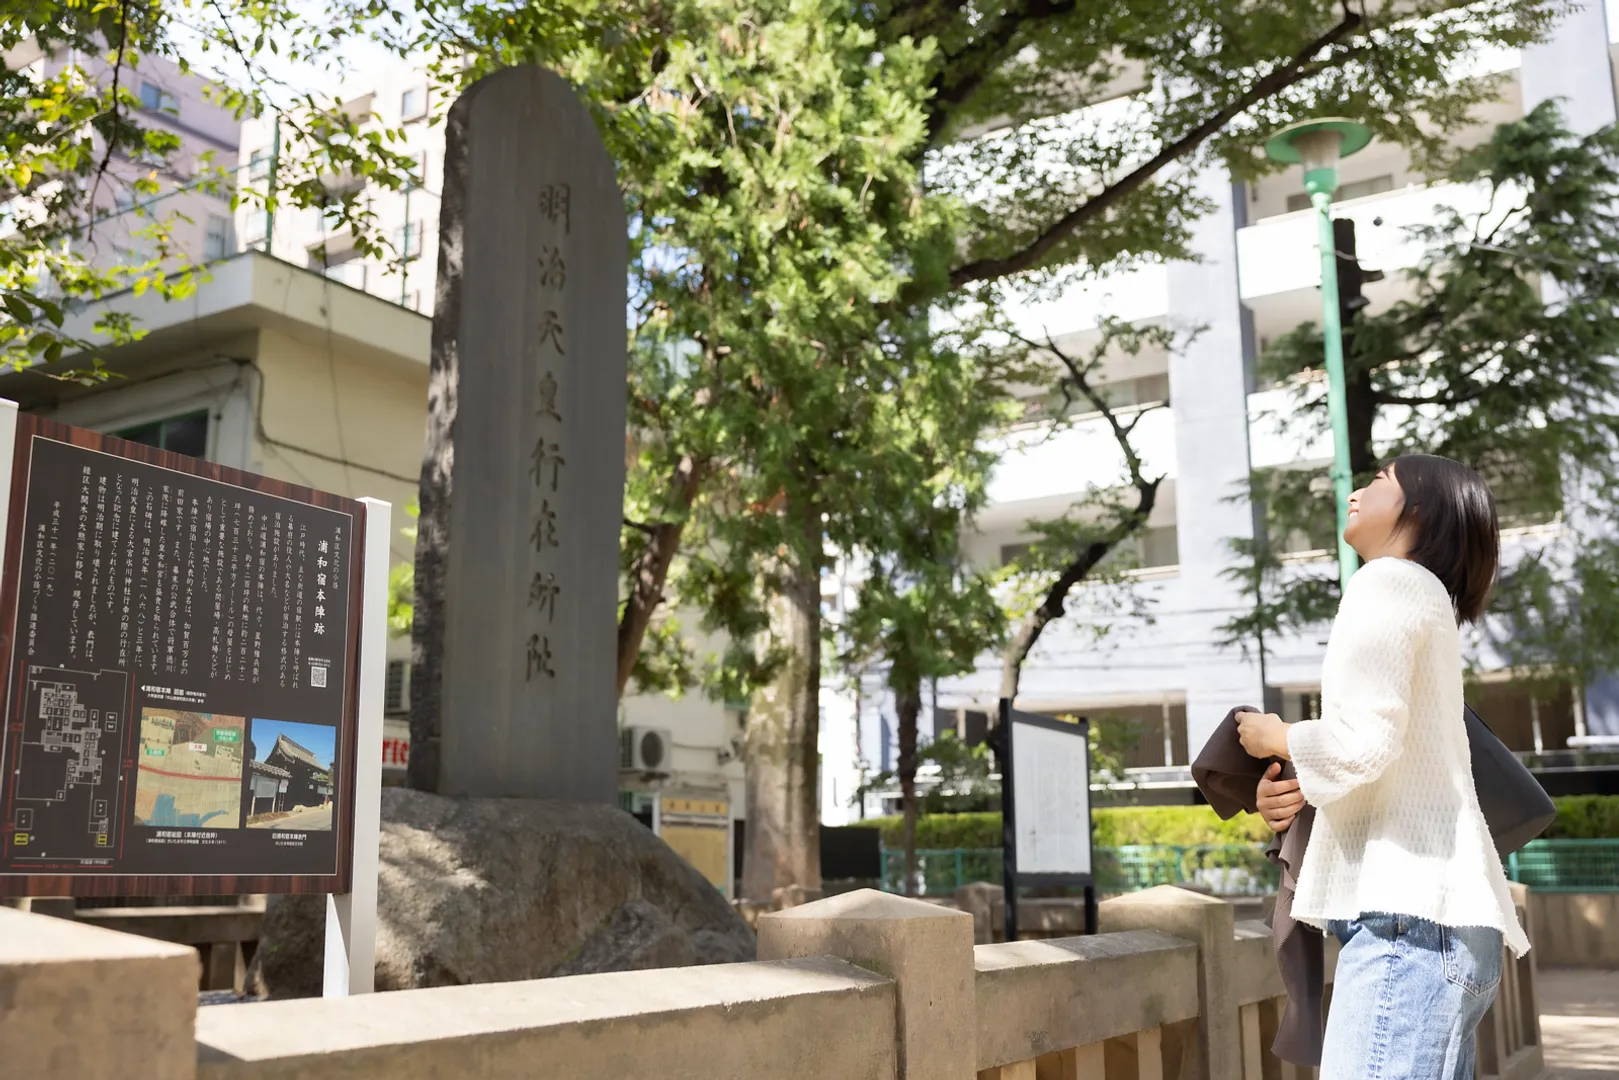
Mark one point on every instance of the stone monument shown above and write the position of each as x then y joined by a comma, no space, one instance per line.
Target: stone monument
511,859
513,687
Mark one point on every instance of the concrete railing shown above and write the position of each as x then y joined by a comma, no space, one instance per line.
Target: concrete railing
862,986
224,937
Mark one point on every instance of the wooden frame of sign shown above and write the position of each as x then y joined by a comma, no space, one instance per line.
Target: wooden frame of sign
1045,816
205,740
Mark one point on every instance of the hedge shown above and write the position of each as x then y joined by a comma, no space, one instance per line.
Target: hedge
1586,817
1579,817
1115,827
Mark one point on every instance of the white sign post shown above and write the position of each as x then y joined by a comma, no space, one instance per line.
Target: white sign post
351,918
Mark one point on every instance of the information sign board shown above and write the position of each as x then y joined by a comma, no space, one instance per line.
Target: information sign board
1045,806
180,646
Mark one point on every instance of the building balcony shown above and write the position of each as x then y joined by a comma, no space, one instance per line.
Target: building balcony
1279,262
1037,463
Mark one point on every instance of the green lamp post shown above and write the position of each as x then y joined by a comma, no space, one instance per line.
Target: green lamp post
1319,145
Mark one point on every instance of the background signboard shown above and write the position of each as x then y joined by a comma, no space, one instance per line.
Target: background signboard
1045,807
180,646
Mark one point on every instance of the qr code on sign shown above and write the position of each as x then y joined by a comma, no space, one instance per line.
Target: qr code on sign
317,677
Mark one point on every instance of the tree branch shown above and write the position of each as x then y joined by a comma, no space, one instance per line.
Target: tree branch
112,136
982,58
1275,82
1054,605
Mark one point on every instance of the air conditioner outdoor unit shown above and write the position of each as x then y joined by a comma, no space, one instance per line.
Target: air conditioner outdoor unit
644,750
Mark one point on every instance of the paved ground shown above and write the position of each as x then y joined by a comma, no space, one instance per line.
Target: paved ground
1579,1023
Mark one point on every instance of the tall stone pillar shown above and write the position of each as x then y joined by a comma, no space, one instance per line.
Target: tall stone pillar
1208,386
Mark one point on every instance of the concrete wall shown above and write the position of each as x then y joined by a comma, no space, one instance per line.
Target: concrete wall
862,986
1576,929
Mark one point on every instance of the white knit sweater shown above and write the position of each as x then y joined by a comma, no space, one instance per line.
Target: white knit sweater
1398,829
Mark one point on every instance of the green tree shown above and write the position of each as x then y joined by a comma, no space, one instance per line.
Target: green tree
1501,358
770,153
921,612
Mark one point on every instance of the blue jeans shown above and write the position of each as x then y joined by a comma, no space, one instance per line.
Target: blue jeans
1407,998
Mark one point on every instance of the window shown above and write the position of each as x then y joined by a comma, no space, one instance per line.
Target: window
419,173
408,239
1357,189
186,434
1119,394
258,165
1011,553
217,242
1161,547
395,692
350,270
1150,549
157,99
258,228
412,103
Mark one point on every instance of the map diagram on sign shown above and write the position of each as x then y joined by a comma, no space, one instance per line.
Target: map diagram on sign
68,780
189,769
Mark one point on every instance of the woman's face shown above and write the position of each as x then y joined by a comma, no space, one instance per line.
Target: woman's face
1374,511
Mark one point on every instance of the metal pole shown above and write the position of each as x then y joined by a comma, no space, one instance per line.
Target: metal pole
269,187
404,256
1332,332
1008,823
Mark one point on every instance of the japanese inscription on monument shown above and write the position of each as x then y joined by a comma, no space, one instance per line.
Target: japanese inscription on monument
514,692
179,701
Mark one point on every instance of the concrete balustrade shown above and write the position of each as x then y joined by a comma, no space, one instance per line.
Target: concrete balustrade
82,1003
861,986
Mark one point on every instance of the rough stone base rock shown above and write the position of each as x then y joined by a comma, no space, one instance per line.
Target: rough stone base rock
494,890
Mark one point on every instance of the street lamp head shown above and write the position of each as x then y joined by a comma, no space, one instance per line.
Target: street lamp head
1318,145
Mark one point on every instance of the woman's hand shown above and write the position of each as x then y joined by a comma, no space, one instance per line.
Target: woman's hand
1263,735
1279,800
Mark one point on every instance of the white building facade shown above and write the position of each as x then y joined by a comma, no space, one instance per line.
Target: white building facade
1259,277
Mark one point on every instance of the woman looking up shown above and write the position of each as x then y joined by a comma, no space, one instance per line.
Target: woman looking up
1400,866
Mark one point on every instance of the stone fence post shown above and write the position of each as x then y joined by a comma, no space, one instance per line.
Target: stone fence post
92,1004
927,950
1212,1049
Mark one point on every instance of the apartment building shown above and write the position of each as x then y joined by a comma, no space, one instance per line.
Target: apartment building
400,97
1259,277
196,211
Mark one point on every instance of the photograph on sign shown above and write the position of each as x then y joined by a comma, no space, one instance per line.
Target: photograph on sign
1052,796
180,704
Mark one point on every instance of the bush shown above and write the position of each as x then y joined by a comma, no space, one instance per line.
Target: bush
1579,817
1119,826
934,831
1585,817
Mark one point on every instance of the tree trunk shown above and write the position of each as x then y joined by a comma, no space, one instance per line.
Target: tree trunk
651,570
781,745
908,700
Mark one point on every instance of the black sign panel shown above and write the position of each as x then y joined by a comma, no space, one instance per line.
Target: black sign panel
180,697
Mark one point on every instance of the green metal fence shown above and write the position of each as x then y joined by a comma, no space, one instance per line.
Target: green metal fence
1229,870
1578,866
1241,869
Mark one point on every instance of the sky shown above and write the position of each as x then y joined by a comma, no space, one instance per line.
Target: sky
351,64
318,739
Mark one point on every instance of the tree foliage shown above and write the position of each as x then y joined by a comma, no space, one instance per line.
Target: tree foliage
788,261
78,147
1499,357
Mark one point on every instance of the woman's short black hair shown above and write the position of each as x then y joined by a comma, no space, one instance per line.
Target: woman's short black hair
1451,514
